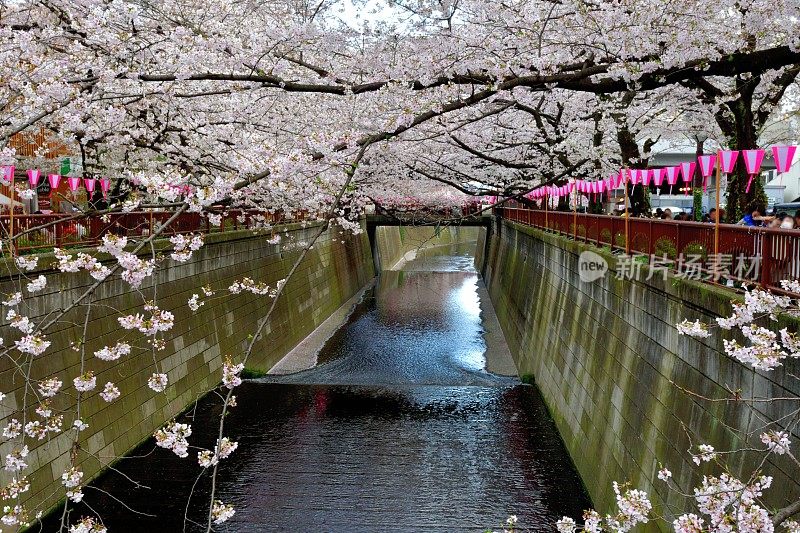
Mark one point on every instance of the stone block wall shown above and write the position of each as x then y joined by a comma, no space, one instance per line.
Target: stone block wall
338,266
625,390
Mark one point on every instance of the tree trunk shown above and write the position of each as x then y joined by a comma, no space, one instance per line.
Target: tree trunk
745,137
638,200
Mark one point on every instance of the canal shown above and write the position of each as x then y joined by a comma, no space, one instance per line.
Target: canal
399,426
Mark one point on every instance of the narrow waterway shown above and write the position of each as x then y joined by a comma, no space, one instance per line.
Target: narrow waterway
399,427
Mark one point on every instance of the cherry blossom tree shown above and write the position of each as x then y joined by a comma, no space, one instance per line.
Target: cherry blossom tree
284,106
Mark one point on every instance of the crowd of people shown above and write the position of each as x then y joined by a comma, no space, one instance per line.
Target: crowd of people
776,220
755,217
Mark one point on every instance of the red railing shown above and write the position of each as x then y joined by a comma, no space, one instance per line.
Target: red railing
35,233
758,255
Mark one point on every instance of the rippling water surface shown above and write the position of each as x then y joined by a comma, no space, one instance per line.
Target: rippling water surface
399,428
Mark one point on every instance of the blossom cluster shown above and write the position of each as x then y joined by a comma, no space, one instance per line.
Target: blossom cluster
69,263
633,509
174,437
707,453
37,284
49,387
184,246
85,382
88,525
223,450
35,429
72,479
230,373
110,392
158,382
221,512
765,349
731,505
259,288
32,344
112,353
776,441
159,321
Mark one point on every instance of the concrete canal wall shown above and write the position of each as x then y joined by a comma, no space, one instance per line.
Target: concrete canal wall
615,374
398,243
337,267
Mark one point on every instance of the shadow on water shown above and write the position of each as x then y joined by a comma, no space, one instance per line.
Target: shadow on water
398,428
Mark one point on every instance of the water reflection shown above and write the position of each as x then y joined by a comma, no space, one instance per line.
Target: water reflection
414,328
399,428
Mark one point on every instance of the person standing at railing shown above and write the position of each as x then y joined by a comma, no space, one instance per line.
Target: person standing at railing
775,223
712,215
784,248
753,218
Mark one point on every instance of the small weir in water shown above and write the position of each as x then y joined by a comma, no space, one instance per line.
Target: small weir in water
399,427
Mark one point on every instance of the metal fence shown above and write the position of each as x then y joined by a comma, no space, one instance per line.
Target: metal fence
39,233
746,254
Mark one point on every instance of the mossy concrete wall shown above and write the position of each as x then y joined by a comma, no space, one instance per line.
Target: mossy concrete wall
394,242
625,390
336,268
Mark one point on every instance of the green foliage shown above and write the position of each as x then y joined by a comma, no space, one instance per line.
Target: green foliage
664,247
695,249
252,373
595,206
698,204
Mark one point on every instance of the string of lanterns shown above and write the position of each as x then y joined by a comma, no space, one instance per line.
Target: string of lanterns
74,183
726,159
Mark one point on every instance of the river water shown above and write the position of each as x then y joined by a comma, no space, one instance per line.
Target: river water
399,427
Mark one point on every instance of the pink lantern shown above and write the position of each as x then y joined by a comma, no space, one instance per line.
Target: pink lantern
105,185
8,174
707,164
73,183
621,179
658,176
646,174
89,183
33,177
727,160
672,175
687,169
783,156
634,173
54,180
752,161
602,186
